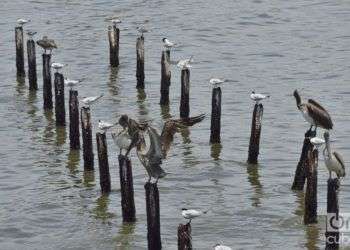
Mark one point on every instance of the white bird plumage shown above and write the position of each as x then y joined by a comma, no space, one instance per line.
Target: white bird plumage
71,83
192,213
216,82
22,21
168,44
141,30
221,247
258,97
185,63
57,66
104,126
317,141
333,160
122,139
91,100
116,21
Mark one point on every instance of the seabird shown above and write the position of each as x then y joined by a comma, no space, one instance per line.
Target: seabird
142,30
122,140
22,21
57,66
258,97
185,63
31,34
116,21
317,142
333,160
167,44
47,44
314,113
91,100
221,247
72,83
151,159
104,126
216,82
192,213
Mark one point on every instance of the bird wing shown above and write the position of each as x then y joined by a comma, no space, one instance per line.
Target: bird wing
320,116
192,120
155,150
313,102
339,159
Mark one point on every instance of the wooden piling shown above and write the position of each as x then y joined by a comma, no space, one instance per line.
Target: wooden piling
47,86
332,234
300,175
19,51
127,189
60,109
140,62
254,142
74,133
215,126
310,210
86,132
185,93
105,178
153,221
165,79
32,77
113,37
184,239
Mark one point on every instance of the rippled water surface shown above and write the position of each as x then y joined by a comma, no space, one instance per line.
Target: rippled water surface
48,202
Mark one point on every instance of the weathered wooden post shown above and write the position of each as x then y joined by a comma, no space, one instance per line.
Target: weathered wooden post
113,37
60,109
184,237
332,233
33,85
47,86
74,133
140,62
105,178
127,189
254,142
86,132
185,93
215,126
165,79
310,211
19,51
153,220
300,175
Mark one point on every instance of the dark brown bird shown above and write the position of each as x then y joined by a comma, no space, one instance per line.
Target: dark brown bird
314,113
47,44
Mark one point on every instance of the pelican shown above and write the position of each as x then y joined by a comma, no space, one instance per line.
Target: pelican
221,247
317,142
22,21
88,101
185,63
57,66
122,139
72,83
151,159
314,113
104,126
333,160
258,97
31,34
216,82
47,44
167,44
192,213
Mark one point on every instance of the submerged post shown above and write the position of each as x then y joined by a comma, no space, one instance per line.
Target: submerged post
113,37
74,133
140,62
185,93
153,221
184,237
254,142
33,85
300,175
127,189
310,211
47,86
332,234
165,78
19,51
105,178
215,126
86,132
60,109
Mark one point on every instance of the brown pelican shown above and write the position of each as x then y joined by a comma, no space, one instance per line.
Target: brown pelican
47,44
314,113
333,160
151,159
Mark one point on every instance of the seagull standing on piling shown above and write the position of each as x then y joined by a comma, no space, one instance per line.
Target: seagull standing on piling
258,97
57,66
317,142
185,63
141,30
189,214
22,21
31,34
71,83
333,160
88,101
47,44
216,82
221,247
314,113
104,126
116,21
168,44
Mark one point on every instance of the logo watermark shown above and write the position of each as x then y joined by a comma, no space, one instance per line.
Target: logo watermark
338,222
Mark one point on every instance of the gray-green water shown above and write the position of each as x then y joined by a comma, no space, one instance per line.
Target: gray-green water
46,200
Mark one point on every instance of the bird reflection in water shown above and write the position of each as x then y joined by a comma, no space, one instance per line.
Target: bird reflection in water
101,209
125,238
253,178
73,161
215,151
61,135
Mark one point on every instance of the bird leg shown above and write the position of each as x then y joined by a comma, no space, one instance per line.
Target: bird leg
149,179
330,174
157,180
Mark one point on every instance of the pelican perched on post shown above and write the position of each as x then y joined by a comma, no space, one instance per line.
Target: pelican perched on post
47,44
314,113
333,160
